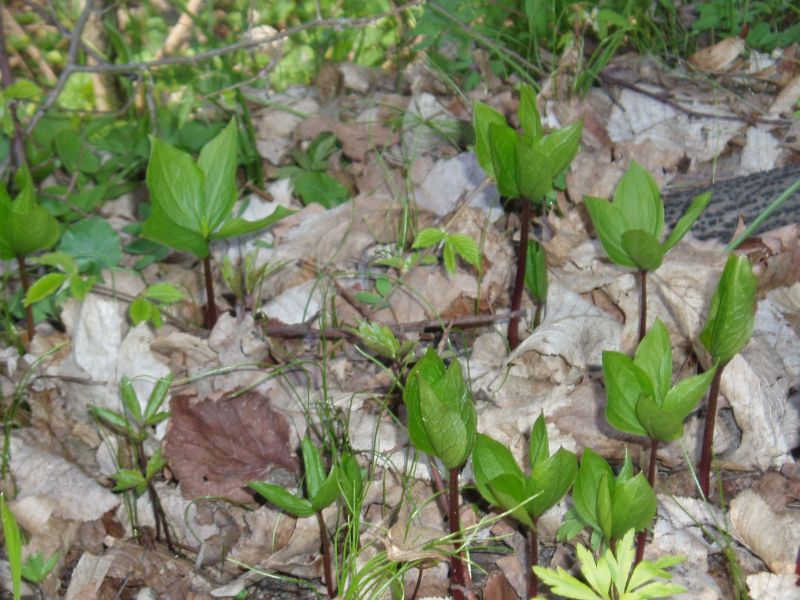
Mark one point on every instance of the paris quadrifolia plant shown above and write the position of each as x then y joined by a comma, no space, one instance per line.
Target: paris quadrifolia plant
442,422
731,318
343,480
193,201
642,399
524,166
25,228
503,483
137,470
614,575
630,227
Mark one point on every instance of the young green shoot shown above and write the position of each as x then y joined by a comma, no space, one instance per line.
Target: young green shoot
134,425
192,202
630,227
536,279
523,165
642,400
148,305
502,483
453,244
442,422
731,318
25,228
615,575
12,538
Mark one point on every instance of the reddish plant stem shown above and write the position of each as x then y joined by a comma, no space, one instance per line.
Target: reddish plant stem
704,468
642,304
211,304
457,566
26,284
533,560
641,540
326,555
159,516
519,279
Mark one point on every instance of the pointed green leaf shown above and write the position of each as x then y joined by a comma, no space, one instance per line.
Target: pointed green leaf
177,187
682,399
561,146
660,424
466,247
603,507
155,464
654,357
625,384
160,228
684,224
633,505
538,445
510,494
327,493
564,584
449,257
610,225
298,507
528,115
351,482
483,116
534,172
550,480
12,538
643,249
165,293
142,311
592,472
312,463
130,400
503,144
639,201
236,227
45,286
491,459
536,272
111,418
731,317
430,236
157,397
128,479
218,160
379,339
431,368
445,430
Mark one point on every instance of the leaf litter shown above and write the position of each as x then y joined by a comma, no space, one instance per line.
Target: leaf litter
218,440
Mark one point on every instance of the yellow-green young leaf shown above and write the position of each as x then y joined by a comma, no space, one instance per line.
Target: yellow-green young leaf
536,272
298,507
731,317
128,479
528,115
643,249
449,257
430,236
165,293
466,248
654,357
130,400
157,397
379,338
43,287
610,225
22,89
141,311
13,543
510,494
483,116
564,584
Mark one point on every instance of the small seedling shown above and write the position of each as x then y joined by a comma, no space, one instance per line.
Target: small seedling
630,227
192,202
133,425
309,177
731,318
148,305
442,422
524,167
536,279
25,228
68,277
609,505
321,491
614,576
642,400
245,279
502,483
453,244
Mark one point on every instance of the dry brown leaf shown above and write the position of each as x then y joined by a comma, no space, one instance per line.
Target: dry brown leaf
498,588
357,138
216,447
719,56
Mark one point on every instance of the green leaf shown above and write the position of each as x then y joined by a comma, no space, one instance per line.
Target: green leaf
633,506
351,482
609,224
111,418
503,144
312,463
510,494
165,293
625,384
466,248
534,172
603,507
431,368
430,236
177,188
449,257
660,424
731,317
22,89
538,445
319,188
236,227
128,479
379,339
160,228
25,227
561,146
483,116
298,507
155,464
445,430
79,286
157,397
536,272
550,480
75,153
327,493
685,223
45,286
528,115
564,584
639,201
141,310
643,249
35,569
654,357
130,400
218,160
93,243
490,460
58,260
592,472
13,543
682,399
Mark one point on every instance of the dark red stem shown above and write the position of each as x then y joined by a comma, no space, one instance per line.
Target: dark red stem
704,468
533,560
641,540
211,305
642,304
519,279
326,555
159,516
23,277
457,566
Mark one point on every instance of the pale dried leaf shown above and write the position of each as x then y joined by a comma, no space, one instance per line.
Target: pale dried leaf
719,56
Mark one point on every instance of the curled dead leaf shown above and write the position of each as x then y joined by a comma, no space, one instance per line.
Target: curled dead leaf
718,57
